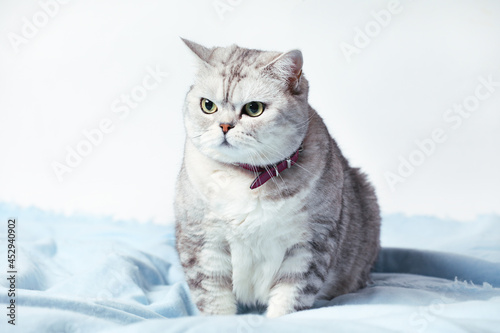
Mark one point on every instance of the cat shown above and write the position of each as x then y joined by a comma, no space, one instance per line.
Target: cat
268,211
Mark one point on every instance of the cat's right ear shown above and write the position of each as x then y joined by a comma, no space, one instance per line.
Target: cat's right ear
201,51
288,66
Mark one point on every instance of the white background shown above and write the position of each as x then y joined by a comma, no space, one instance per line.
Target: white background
65,77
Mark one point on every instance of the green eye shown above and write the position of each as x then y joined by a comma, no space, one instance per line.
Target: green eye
208,106
254,109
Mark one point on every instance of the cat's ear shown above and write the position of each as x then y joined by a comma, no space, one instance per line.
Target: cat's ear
201,51
288,66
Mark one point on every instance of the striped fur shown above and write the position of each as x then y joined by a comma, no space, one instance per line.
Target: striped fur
311,233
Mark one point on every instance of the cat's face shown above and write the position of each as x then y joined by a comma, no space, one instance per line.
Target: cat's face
247,106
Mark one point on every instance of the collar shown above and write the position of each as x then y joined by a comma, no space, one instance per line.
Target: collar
272,170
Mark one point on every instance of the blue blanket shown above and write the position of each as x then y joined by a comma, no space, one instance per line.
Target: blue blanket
87,274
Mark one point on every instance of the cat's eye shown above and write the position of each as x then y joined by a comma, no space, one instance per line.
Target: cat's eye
208,106
254,109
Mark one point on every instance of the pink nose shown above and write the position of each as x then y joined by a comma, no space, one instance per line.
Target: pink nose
226,127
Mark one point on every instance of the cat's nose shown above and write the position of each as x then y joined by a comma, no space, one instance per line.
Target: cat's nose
226,127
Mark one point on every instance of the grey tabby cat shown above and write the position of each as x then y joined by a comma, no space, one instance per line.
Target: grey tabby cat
268,211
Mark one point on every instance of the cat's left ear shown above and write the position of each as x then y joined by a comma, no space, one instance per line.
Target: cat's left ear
201,51
288,66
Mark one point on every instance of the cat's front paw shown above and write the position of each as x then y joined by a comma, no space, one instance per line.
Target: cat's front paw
275,312
225,304
278,311
221,310
288,298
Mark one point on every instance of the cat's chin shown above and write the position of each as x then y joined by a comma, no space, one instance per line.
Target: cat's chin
226,144
228,154
225,153
234,152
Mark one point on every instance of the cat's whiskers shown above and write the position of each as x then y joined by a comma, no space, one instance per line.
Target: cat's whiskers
296,163
272,179
196,136
255,173
279,175
255,153
305,122
303,168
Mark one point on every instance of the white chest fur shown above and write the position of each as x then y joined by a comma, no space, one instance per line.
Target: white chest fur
258,231
258,244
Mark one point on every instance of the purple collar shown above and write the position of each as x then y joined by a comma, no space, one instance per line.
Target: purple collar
272,170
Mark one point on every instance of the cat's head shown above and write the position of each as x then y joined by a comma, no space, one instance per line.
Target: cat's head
247,106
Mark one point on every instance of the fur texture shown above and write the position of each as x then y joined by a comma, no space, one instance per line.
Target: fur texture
310,233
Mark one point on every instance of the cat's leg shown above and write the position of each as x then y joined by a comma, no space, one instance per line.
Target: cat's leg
298,282
208,272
